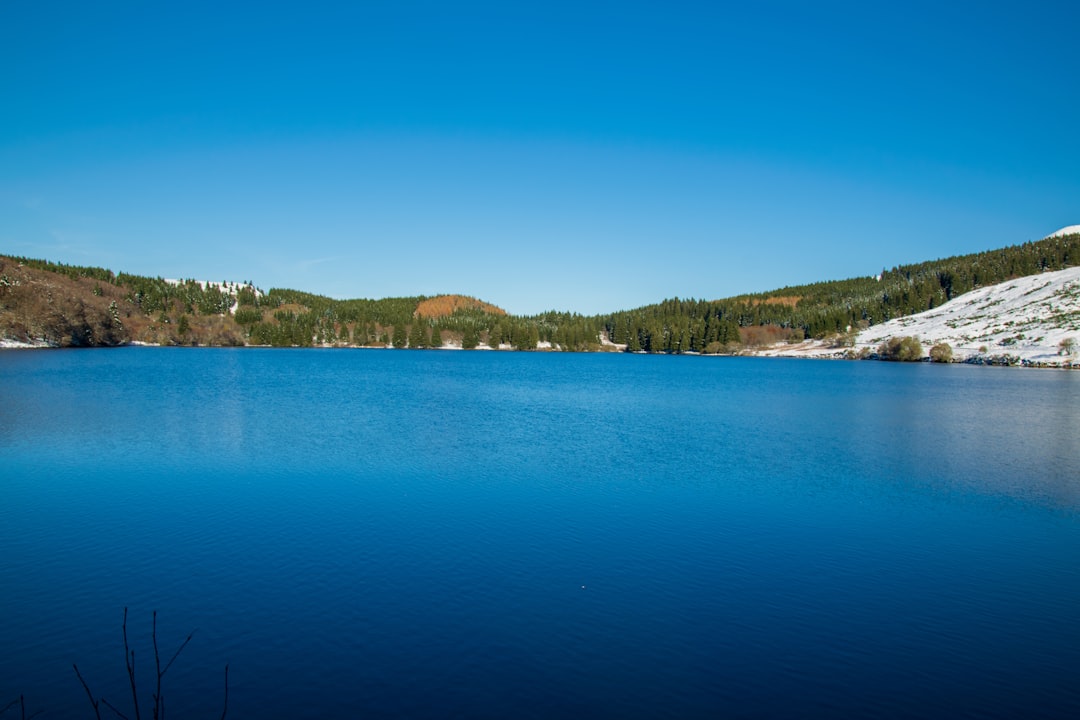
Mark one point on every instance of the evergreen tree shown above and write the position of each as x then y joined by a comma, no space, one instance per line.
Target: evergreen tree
417,337
470,339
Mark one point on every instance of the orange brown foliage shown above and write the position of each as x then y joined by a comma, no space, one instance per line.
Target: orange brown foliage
756,335
40,305
446,305
37,305
786,300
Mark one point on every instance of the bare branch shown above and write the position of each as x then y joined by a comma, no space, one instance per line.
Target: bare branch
109,705
225,708
21,702
178,651
90,695
157,667
129,661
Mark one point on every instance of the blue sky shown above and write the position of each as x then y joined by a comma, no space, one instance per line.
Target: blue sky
574,156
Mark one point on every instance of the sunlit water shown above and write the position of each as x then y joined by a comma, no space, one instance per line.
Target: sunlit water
394,533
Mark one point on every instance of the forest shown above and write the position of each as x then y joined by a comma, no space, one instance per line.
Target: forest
66,305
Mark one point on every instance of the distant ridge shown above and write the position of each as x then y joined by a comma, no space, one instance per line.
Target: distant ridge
45,303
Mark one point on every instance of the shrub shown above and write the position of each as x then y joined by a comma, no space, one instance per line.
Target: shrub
861,354
1067,346
718,348
903,349
941,353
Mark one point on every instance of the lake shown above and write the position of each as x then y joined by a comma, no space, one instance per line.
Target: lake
369,533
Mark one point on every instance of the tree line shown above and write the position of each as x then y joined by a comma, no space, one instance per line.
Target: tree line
181,311
819,310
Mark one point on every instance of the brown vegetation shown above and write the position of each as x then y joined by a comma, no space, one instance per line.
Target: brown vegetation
444,305
783,300
39,306
758,335
902,349
941,353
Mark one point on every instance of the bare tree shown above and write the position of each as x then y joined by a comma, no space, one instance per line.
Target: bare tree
21,703
158,707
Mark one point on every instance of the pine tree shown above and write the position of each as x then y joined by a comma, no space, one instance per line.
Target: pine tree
470,339
417,336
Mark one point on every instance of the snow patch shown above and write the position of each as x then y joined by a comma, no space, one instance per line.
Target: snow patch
232,289
1070,230
9,344
1026,318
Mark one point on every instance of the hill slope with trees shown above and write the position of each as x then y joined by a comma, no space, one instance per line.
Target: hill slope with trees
825,309
58,305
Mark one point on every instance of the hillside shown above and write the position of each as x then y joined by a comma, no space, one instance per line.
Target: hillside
830,311
41,308
45,304
950,300
447,305
1028,320
1023,320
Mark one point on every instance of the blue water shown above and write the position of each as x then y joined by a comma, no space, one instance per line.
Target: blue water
464,534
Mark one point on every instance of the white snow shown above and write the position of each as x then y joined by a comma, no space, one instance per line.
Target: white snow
605,341
229,288
1070,230
9,344
1025,319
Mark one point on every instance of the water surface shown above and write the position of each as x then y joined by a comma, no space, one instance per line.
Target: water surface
391,533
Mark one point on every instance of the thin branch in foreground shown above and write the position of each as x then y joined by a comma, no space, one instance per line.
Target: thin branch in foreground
225,708
17,701
21,702
178,651
90,695
112,707
129,661
157,668
159,698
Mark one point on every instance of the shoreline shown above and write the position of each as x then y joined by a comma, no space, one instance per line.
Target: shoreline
1041,358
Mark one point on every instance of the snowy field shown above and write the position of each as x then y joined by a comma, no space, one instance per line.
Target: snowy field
1025,320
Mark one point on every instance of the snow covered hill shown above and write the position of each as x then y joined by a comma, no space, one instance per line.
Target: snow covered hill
1070,230
1026,319
1033,320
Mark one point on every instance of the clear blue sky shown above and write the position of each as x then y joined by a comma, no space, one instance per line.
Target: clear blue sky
539,155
